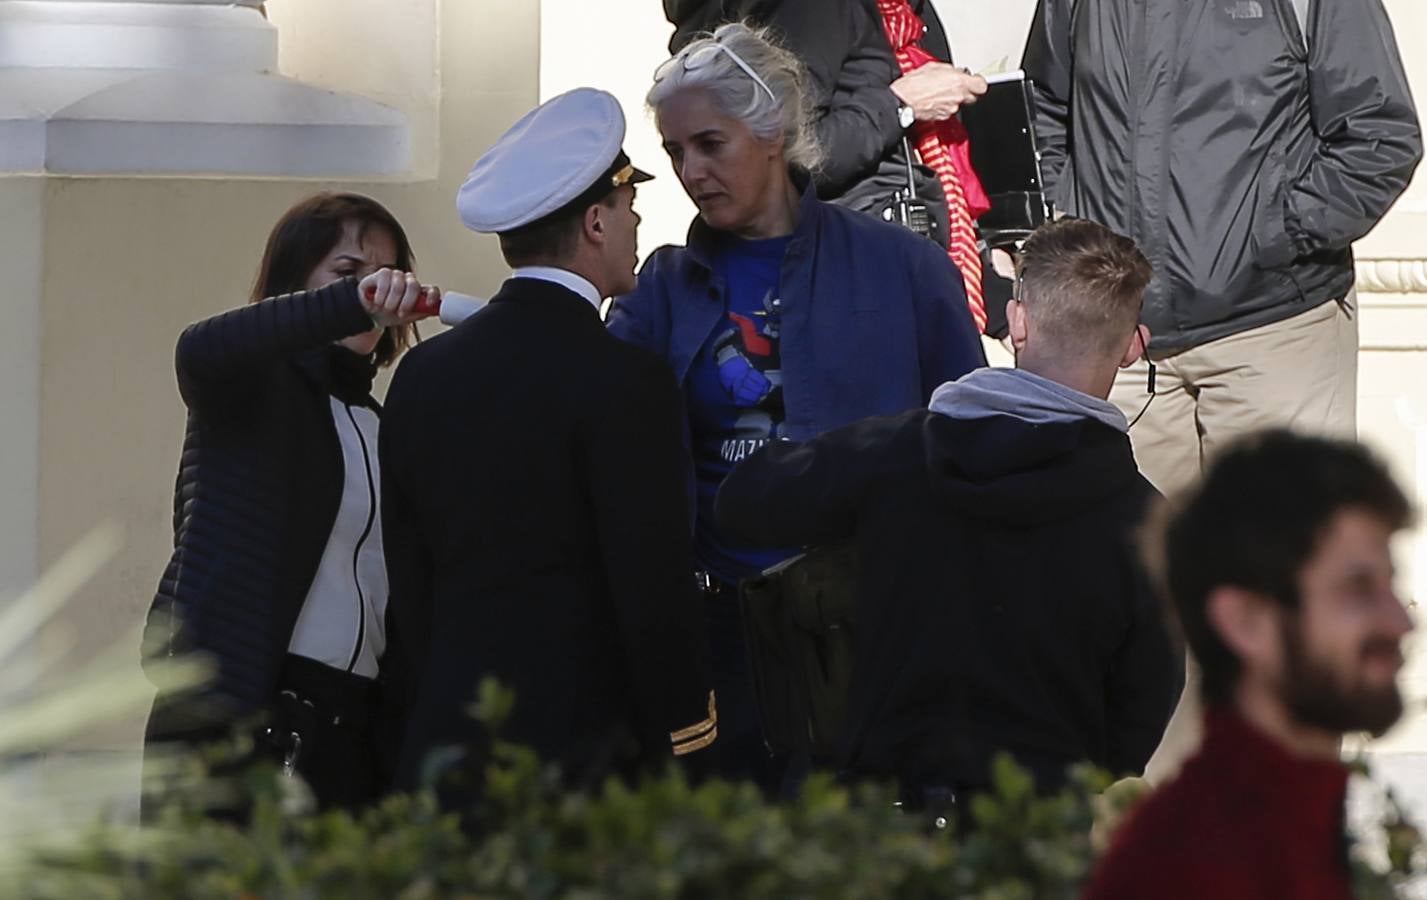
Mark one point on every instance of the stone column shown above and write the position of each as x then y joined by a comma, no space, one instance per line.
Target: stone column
174,87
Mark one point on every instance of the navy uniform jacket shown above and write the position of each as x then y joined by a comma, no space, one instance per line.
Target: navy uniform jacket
537,530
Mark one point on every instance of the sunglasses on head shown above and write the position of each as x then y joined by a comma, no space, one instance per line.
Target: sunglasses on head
700,54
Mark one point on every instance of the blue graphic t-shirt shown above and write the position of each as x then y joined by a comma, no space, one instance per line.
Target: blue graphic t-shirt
735,395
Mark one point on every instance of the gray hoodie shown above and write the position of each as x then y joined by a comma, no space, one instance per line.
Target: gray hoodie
1023,395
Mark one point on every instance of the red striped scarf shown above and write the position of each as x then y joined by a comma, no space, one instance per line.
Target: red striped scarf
944,148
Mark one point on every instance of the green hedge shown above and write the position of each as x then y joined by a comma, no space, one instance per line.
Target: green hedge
662,839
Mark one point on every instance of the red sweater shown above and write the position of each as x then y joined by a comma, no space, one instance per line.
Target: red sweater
1245,819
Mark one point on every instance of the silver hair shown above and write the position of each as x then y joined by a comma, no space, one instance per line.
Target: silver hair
786,115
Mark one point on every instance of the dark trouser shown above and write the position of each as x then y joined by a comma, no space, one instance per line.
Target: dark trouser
741,751
940,806
319,726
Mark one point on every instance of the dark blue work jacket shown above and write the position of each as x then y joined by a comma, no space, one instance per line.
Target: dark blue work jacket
874,317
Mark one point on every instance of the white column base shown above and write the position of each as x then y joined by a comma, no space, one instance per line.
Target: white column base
127,35
91,122
90,88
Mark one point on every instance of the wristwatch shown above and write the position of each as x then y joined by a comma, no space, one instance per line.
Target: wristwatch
906,116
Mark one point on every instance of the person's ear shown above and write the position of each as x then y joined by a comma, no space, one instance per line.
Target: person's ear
594,224
1248,623
1017,324
776,148
1137,347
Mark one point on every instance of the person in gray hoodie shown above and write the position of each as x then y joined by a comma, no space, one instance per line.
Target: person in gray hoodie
1001,605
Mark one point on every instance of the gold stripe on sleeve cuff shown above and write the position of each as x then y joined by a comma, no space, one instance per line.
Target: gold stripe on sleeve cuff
684,734
696,744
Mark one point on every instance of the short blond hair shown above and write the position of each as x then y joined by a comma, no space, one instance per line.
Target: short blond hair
1083,285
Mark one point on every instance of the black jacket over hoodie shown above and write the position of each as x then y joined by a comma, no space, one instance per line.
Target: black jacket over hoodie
851,67
1001,605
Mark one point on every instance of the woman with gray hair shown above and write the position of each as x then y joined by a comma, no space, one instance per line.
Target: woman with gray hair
783,316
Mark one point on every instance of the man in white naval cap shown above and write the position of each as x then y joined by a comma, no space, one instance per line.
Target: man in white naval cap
534,469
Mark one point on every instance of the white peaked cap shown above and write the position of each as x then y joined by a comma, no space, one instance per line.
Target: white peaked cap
565,148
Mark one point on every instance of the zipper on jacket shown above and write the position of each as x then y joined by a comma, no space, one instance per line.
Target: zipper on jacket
1137,91
361,541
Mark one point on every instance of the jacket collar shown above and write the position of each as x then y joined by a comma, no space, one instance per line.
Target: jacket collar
703,241
338,371
564,278
547,296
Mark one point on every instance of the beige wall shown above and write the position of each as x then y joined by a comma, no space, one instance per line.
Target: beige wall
21,264
392,52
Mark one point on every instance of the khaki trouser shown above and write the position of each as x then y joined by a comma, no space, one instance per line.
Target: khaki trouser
1301,373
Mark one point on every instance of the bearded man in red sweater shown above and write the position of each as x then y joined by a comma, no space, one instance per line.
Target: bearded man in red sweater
1280,571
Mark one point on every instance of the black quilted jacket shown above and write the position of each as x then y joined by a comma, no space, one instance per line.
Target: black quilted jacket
259,482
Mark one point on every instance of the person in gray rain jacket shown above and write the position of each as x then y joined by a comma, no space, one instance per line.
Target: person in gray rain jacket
1244,145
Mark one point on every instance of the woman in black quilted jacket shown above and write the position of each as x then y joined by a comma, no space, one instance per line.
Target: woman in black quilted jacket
277,574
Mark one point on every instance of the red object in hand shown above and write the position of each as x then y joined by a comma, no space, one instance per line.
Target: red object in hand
428,305
425,304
